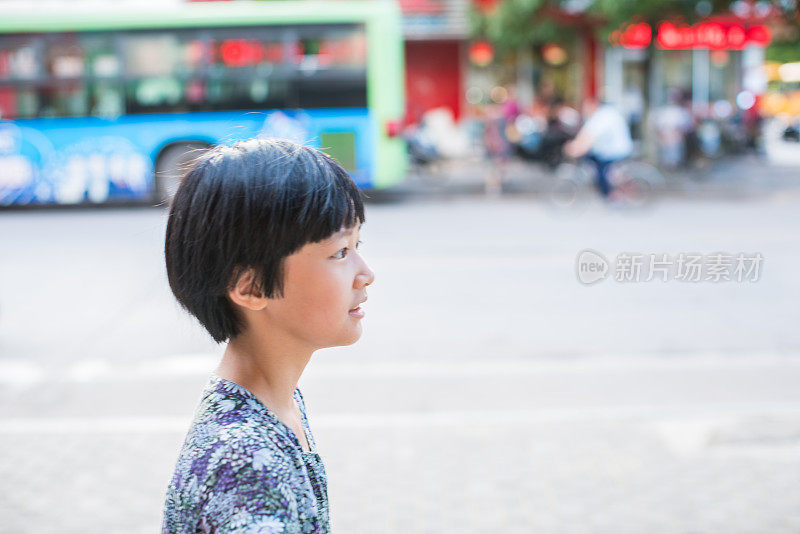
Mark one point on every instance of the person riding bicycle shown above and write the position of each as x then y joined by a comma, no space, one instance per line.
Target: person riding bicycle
604,138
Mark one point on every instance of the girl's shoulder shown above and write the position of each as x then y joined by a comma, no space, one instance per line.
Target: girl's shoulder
230,413
235,453
231,431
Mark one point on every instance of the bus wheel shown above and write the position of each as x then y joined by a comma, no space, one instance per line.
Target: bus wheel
171,164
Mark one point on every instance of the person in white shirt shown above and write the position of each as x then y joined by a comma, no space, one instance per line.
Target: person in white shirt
604,138
673,124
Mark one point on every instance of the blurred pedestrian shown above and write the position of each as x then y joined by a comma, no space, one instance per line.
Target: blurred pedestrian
673,125
511,107
633,109
498,147
545,99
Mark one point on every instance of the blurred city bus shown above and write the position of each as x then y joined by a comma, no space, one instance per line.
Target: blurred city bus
109,106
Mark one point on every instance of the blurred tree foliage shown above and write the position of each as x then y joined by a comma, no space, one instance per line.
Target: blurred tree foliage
510,24
785,48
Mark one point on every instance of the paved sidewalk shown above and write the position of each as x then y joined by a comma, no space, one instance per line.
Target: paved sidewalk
731,177
491,391
430,452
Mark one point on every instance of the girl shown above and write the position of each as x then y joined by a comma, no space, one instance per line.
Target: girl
261,247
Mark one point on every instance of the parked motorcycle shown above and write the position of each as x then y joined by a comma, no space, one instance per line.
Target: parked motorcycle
541,140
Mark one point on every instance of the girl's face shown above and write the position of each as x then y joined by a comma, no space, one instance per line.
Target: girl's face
323,283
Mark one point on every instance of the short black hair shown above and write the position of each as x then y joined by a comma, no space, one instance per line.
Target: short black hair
249,206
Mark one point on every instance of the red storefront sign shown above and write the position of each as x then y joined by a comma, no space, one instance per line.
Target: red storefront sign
710,35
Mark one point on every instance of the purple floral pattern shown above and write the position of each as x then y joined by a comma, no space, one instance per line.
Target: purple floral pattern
242,470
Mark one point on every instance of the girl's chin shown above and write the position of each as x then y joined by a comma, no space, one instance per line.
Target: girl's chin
353,335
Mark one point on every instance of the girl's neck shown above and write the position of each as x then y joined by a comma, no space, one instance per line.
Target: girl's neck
269,374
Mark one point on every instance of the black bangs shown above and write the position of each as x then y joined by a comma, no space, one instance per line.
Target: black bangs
248,207
330,201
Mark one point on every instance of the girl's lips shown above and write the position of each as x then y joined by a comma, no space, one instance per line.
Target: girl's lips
358,312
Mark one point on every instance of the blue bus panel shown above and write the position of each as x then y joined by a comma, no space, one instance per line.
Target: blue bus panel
97,160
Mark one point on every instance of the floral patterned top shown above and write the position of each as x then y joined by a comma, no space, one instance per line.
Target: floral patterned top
242,470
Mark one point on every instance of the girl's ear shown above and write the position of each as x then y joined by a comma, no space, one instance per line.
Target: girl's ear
245,291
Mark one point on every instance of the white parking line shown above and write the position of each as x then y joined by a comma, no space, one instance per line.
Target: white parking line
411,420
15,372
92,425
20,372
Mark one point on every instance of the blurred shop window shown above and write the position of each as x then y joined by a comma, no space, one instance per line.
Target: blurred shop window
634,80
677,70
723,76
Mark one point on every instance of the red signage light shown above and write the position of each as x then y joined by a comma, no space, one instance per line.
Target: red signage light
250,52
710,35
636,36
481,53
240,52
759,35
737,36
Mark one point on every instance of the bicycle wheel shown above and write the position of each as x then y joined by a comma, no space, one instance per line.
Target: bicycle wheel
637,182
568,188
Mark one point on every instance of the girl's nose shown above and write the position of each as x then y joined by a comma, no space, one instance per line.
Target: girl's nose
365,277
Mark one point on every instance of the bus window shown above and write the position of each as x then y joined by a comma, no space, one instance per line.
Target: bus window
19,67
62,92
247,49
331,94
258,93
63,75
334,46
156,66
18,57
106,100
62,100
64,57
151,54
18,102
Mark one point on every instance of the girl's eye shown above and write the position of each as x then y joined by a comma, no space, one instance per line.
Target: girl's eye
341,253
358,245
